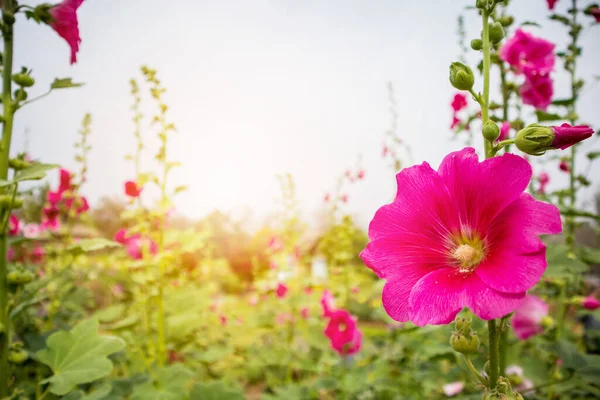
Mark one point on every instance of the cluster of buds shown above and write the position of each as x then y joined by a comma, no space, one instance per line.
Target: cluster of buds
464,340
503,391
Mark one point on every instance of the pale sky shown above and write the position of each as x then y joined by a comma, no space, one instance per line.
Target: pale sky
260,87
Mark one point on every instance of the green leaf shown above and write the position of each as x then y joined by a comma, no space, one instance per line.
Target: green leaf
87,245
560,18
179,189
78,356
64,83
594,154
563,102
544,116
170,384
110,314
570,356
4,183
589,255
216,391
530,23
561,265
35,172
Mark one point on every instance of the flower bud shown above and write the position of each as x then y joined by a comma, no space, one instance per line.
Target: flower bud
496,32
476,44
481,4
20,94
547,322
17,356
18,164
464,344
491,131
24,80
566,135
6,200
461,76
507,20
535,139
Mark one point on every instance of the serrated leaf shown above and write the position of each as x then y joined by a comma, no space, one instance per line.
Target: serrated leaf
216,391
64,83
87,245
544,116
35,172
170,384
78,356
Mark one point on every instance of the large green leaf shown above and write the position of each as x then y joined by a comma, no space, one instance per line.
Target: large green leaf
170,384
35,172
78,356
216,391
86,245
561,265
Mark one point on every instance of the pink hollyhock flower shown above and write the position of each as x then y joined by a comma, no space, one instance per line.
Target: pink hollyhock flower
37,254
452,239
65,180
355,289
594,11
537,91
282,290
591,303
223,320
458,102
31,231
528,54
343,332
50,219
344,198
326,197
83,205
132,189
564,166
528,317
544,179
308,290
304,313
121,236
452,389
136,246
328,303
566,135
360,174
504,131
13,225
54,197
64,22
455,122
551,4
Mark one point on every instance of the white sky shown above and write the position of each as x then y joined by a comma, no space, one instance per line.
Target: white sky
263,87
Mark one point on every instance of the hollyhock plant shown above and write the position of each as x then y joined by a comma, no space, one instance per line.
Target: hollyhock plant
528,317
50,219
544,180
594,11
132,189
528,54
455,122
327,303
65,180
459,101
281,290
590,303
452,389
13,225
343,332
452,238
64,22
537,91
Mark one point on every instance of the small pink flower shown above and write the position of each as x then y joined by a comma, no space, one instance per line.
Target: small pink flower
13,225
528,54
308,290
121,236
343,332
594,11
544,179
31,231
360,174
83,205
281,290
136,246
458,102
591,303
283,318
564,166
452,389
132,189
504,131
223,320
455,122
64,22
65,180
537,91
54,197
328,303
304,313
344,198
326,197
275,244
451,239
528,317
551,4
384,151
566,135
37,255
118,290
355,289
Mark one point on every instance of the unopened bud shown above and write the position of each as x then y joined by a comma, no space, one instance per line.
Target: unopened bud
477,44
24,80
18,164
491,131
535,139
464,344
507,20
17,356
461,76
496,32
20,94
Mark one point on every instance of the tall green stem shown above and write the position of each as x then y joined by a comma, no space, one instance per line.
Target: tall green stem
485,99
493,353
570,237
7,32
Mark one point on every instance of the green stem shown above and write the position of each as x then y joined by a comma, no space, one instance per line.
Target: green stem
474,370
562,311
503,344
7,31
570,231
493,353
485,98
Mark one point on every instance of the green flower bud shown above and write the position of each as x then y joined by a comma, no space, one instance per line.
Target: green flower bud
535,139
547,322
496,32
477,44
18,164
17,356
481,4
24,80
20,94
491,131
507,20
461,76
464,344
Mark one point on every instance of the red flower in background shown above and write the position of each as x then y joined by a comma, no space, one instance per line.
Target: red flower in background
13,225
65,181
64,22
459,102
132,189
537,91
282,290
343,332
564,166
551,4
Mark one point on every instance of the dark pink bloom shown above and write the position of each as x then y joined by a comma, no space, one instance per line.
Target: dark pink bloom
455,122
360,174
537,91
343,332
281,290
132,189
10,254
528,54
50,217
64,22
355,290
83,205
65,180
591,303
544,179
54,197
121,236
458,102
528,317
564,166
223,320
13,225
328,303
566,135
504,131
452,239
304,313
138,246
594,12
37,254
551,4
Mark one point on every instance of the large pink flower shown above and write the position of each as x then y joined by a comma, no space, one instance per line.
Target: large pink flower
528,54
528,317
137,246
537,91
590,303
343,332
64,22
466,235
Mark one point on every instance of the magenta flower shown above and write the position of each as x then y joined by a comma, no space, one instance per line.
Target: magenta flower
132,189
504,131
275,244
528,54
551,4
458,102
564,166
528,317
64,22
121,236
591,303
54,197
384,151
65,180
344,198
466,235
594,11
360,174
537,91
13,225
328,303
455,122
343,332
566,135
37,254
10,254
136,246
304,312
50,218
282,290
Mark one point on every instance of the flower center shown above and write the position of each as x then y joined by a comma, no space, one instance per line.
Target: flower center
342,327
468,252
